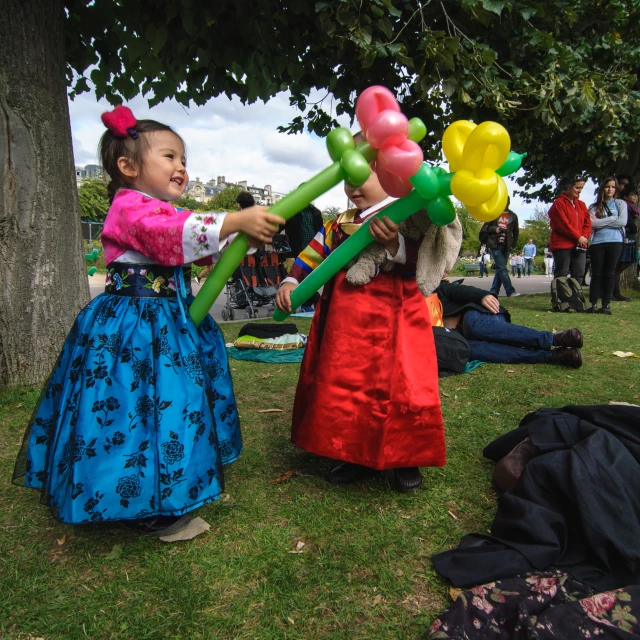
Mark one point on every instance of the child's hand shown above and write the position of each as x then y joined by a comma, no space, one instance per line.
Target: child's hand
283,297
385,232
259,225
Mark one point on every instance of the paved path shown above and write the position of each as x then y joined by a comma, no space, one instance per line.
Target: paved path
530,284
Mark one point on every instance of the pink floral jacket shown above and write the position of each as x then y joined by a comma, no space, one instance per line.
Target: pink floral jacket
142,230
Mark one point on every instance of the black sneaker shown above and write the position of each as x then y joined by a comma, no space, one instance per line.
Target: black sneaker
606,310
592,309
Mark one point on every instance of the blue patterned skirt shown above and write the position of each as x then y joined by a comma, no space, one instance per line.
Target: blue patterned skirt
139,414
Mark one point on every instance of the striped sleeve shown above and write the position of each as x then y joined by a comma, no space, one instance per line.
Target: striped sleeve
315,252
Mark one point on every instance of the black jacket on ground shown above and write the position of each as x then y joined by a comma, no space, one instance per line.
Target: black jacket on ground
457,298
576,506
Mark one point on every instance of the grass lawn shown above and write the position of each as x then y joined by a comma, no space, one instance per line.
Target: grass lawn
364,570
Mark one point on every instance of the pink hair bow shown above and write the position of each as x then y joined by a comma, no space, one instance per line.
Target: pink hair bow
121,122
386,129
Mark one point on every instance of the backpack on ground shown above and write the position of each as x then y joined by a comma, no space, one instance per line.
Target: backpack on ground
566,294
452,351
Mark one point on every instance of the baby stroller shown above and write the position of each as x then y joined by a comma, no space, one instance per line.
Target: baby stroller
256,281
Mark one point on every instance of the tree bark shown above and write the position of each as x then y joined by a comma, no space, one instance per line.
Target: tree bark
629,278
44,278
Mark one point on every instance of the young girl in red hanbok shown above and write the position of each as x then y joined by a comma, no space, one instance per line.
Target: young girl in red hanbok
368,389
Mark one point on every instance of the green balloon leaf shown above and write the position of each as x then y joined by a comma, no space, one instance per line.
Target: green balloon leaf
417,130
441,211
511,164
338,142
426,182
445,183
356,167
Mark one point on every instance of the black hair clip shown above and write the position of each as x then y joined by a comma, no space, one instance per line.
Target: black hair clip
133,133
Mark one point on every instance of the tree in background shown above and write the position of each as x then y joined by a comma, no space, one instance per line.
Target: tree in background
225,200
470,230
330,213
191,204
537,228
93,200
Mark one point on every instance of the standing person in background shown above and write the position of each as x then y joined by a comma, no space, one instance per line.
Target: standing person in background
244,201
548,262
300,231
483,258
630,244
530,252
513,263
520,263
570,229
608,219
502,236
622,180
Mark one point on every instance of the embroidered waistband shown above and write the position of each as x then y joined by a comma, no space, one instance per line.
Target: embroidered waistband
145,280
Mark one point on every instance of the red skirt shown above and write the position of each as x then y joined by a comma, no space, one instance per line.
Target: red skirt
368,388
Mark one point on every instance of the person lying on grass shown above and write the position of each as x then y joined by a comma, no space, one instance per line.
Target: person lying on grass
493,338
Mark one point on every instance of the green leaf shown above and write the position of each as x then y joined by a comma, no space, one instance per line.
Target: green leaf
449,86
115,553
488,56
493,6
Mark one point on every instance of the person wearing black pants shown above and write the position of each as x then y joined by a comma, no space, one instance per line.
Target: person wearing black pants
608,220
570,229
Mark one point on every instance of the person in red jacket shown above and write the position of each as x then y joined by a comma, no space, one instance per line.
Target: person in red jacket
570,229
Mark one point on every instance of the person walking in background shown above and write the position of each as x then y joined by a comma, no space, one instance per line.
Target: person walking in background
630,244
548,262
608,219
530,252
501,237
570,229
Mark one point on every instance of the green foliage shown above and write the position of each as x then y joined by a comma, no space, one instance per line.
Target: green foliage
330,213
225,200
470,230
191,204
93,200
561,76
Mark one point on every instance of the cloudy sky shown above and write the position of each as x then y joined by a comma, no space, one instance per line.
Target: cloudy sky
226,138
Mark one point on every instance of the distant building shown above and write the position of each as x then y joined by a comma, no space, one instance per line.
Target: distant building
203,192
88,172
200,191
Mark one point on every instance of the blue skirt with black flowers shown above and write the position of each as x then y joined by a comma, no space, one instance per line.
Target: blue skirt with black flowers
139,414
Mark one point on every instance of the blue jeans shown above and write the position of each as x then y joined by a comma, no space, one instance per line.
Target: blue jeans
484,268
500,255
527,266
493,339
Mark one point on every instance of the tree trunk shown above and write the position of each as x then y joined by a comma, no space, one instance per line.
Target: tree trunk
629,278
44,278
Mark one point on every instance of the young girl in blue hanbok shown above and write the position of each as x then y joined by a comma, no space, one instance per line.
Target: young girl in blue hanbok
139,416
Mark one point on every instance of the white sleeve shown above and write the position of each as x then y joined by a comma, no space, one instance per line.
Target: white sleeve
201,236
401,255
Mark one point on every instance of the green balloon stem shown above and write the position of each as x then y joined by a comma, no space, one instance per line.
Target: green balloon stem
235,253
286,209
337,259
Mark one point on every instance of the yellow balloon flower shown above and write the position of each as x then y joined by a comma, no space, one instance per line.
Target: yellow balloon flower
474,153
493,207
